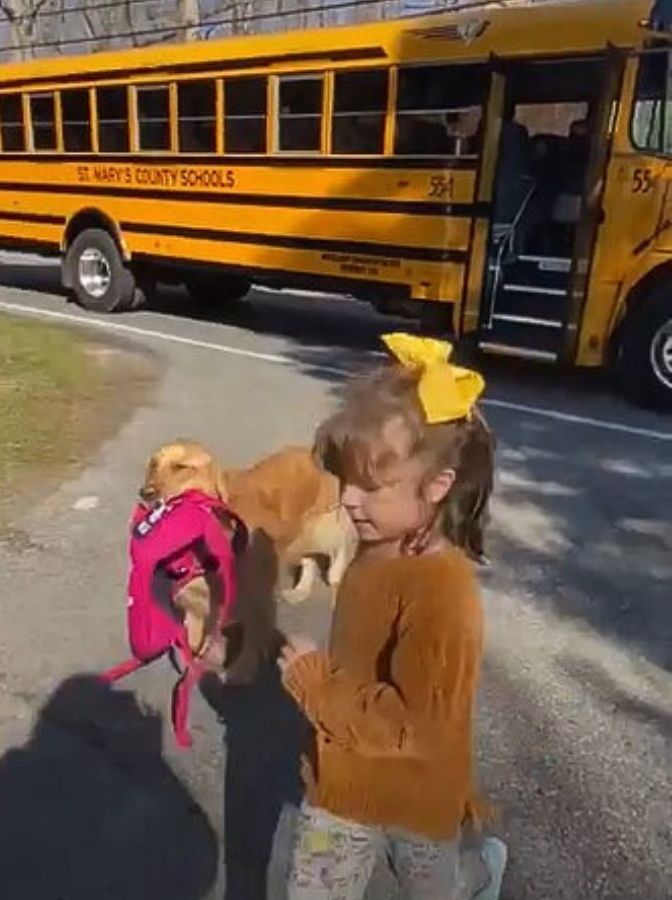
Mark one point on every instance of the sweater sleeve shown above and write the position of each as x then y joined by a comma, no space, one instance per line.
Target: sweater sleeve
431,674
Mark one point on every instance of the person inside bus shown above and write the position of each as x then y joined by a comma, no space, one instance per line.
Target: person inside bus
515,187
572,194
513,180
555,206
574,160
463,128
425,133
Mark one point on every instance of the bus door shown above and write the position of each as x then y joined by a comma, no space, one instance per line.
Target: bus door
635,212
594,216
552,151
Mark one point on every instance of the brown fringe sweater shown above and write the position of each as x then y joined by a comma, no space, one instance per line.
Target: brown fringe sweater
391,703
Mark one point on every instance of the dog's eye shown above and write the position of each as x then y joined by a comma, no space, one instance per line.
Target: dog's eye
180,467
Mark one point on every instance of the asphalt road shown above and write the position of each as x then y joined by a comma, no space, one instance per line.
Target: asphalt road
575,719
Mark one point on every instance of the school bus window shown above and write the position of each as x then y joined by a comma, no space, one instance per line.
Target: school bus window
112,104
197,108
154,118
76,121
300,114
439,110
556,119
360,106
652,112
43,117
11,123
245,105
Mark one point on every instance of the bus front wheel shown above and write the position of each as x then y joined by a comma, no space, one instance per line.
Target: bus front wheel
644,353
96,275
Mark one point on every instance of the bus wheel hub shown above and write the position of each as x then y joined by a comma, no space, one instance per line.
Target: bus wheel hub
94,272
661,353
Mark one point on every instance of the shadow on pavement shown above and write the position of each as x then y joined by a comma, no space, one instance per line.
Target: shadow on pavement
619,697
264,734
89,808
42,277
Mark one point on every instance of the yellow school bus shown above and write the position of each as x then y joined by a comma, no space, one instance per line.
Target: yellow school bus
502,173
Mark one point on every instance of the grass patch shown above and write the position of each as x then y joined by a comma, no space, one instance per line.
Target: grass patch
45,376
56,401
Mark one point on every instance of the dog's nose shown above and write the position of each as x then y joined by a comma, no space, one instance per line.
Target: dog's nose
148,494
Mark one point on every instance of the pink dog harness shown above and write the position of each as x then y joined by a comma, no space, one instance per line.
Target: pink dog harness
171,545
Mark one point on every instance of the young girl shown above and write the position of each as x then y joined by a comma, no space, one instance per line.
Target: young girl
391,702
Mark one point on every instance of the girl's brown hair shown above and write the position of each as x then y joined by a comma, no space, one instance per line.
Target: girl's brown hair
352,445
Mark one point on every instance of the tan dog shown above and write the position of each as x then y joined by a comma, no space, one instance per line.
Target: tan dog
171,471
293,513
298,506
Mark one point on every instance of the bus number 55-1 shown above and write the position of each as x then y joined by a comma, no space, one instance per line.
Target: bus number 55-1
440,187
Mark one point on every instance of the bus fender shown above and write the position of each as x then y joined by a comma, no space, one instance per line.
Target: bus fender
93,218
641,280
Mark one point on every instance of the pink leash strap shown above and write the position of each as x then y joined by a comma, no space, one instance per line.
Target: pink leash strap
122,670
181,700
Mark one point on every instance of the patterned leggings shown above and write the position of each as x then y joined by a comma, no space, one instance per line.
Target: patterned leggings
333,859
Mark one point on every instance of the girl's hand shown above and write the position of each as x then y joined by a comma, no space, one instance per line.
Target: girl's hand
296,646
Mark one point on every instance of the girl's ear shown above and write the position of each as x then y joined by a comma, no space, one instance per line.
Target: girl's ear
438,487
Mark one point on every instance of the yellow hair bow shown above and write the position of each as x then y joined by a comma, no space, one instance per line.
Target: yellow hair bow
446,392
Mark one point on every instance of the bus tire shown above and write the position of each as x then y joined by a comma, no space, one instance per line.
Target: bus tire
643,358
214,290
94,270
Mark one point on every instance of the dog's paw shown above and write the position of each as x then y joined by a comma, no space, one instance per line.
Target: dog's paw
335,575
294,595
213,656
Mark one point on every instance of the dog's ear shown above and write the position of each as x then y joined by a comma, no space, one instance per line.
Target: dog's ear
150,468
151,481
221,483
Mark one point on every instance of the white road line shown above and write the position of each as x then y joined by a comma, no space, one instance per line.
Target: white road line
108,325
278,359
572,418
